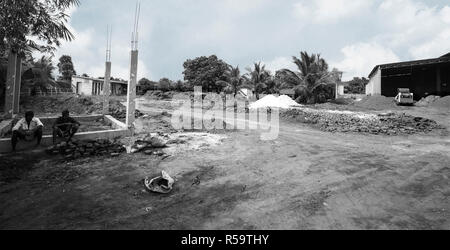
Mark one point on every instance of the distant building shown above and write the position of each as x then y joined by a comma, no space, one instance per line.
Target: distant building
94,86
340,88
422,77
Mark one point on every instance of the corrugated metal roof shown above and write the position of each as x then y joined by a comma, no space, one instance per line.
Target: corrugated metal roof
442,59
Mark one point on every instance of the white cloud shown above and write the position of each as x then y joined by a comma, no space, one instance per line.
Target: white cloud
436,47
445,14
88,57
420,29
280,63
359,59
325,11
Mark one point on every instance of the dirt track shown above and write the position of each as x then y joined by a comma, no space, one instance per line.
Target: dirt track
306,179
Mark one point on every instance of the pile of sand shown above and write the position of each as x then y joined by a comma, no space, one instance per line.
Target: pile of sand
427,100
377,102
443,103
271,101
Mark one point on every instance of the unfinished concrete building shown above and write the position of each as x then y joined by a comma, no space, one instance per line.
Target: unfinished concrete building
94,86
422,77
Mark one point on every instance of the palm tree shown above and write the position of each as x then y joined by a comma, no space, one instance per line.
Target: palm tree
257,78
44,72
312,73
234,80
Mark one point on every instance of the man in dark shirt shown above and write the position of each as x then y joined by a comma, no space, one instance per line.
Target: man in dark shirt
65,127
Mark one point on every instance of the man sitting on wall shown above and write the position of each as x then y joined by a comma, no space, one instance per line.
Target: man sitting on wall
65,127
27,129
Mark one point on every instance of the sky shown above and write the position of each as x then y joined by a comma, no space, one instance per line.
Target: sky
352,35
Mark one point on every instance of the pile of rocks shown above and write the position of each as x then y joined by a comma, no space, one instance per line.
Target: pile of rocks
387,124
78,149
118,111
149,144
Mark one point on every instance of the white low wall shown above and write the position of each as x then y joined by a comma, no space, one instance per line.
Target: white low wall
119,129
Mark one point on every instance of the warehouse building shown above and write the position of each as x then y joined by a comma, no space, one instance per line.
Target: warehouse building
94,86
422,77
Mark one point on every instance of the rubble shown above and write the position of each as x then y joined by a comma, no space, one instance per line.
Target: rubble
78,149
387,124
148,143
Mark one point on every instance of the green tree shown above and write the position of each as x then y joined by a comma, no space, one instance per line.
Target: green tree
234,79
65,67
207,72
313,81
145,85
23,21
357,85
164,84
257,78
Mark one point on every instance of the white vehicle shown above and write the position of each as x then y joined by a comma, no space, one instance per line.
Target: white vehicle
404,97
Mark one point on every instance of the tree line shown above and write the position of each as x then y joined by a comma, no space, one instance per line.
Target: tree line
312,82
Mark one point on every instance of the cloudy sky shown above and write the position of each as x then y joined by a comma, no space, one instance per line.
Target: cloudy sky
352,35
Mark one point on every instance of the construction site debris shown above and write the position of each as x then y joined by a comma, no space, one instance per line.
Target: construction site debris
147,143
78,149
387,123
162,184
271,101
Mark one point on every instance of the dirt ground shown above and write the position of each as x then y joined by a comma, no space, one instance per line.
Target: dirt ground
306,179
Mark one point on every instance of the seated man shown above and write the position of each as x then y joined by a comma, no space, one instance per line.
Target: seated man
28,129
65,127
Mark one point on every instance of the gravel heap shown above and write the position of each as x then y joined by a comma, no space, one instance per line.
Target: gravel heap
387,124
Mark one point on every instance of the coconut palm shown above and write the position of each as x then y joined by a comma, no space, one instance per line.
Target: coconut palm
43,69
234,79
257,78
311,75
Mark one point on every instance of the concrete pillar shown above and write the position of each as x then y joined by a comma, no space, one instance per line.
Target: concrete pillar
438,80
106,88
131,93
10,84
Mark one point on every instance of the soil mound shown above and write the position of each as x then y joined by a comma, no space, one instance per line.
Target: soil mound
377,102
443,103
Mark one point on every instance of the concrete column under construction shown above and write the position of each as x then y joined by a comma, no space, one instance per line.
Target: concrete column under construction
107,88
131,93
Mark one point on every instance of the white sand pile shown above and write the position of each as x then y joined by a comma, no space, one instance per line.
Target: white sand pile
271,101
